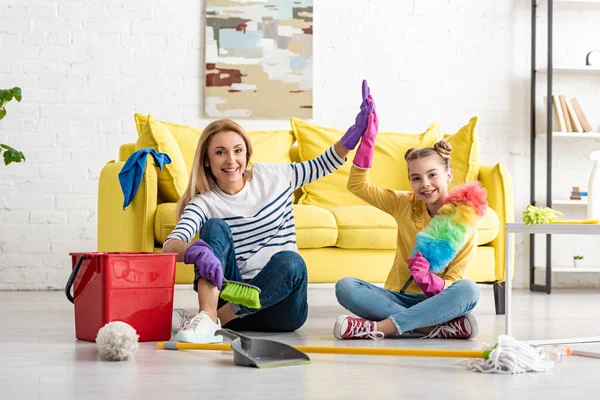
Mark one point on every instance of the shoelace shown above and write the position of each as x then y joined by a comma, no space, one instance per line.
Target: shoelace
197,321
186,319
451,328
359,328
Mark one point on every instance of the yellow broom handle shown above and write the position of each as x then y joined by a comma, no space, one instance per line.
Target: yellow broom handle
348,350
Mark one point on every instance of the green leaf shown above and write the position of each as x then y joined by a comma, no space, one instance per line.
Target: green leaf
2,112
11,155
17,93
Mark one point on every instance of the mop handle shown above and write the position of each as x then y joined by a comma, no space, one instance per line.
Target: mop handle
342,350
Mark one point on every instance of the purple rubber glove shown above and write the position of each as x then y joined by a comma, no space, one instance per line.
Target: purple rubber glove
429,283
354,133
208,266
364,155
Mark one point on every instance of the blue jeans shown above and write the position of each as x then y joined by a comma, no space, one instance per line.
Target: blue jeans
408,311
283,283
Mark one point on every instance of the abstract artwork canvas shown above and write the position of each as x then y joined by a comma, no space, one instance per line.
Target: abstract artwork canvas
259,58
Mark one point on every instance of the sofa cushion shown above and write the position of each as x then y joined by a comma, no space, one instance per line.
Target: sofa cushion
464,158
488,227
173,178
388,171
165,221
366,227
315,226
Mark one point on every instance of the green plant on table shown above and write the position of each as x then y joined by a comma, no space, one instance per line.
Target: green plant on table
577,257
10,154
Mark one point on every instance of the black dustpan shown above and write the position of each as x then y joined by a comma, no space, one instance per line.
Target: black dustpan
262,353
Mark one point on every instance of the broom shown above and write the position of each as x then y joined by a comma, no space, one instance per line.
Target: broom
508,356
240,293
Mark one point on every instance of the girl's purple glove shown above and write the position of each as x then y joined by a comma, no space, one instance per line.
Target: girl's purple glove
208,266
355,132
429,283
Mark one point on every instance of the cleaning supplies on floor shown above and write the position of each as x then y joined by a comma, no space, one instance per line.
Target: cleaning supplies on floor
508,356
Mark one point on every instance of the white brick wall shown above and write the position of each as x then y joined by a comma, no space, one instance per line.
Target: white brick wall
85,66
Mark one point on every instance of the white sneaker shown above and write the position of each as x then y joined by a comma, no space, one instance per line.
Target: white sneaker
201,329
180,319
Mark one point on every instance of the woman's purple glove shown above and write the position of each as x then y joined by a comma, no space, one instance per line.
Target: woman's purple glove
355,132
208,266
429,283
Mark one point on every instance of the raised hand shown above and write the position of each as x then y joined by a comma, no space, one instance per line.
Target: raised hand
364,155
355,132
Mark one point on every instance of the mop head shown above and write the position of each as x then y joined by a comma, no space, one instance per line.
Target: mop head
509,356
241,293
448,231
117,341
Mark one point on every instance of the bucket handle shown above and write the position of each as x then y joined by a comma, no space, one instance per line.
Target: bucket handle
69,284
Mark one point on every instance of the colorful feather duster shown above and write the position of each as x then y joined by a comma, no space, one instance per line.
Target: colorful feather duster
447,232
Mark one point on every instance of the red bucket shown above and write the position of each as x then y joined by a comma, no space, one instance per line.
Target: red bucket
136,288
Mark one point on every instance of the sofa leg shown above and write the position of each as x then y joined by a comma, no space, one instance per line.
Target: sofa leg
499,292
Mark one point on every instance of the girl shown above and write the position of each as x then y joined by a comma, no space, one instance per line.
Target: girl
247,232
414,302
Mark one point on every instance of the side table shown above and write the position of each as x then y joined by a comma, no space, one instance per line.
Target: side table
554,229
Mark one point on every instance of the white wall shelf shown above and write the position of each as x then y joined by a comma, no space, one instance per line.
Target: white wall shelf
570,269
563,202
585,135
566,69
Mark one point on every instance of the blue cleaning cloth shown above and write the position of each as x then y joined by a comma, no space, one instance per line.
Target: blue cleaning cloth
133,170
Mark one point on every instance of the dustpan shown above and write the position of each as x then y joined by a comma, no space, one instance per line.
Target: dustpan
255,352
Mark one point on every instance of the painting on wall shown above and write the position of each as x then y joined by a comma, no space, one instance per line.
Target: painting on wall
258,58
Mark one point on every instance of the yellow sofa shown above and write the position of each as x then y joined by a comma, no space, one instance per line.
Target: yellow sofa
337,234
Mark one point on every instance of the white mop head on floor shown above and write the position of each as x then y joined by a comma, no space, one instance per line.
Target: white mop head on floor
117,341
509,356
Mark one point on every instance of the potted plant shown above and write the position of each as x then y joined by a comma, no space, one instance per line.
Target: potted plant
10,155
577,261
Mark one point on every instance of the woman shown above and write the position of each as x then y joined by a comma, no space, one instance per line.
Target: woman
247,232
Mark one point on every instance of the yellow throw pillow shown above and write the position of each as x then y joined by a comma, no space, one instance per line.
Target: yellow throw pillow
185,136
272,146
269,146
389,168
464,158
173,179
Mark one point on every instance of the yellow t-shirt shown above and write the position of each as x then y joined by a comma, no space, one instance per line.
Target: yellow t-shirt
411,216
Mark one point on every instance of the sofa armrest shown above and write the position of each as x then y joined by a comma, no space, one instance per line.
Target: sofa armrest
497,181
131,229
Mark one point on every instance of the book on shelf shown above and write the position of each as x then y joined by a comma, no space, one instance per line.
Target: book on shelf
573,115
565,111
568,115
585,124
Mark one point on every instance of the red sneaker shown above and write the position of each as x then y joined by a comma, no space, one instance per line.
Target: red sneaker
355,328
464,327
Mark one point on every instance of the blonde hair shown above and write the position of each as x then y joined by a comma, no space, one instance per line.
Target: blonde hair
441,148
202,179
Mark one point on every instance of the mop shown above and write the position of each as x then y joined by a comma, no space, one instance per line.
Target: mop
508,356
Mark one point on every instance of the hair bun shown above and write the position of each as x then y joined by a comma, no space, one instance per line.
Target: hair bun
443,148
408,153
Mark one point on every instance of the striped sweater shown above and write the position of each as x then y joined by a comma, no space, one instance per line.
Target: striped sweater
260,215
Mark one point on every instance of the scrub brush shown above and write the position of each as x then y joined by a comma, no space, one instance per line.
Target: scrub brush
240,293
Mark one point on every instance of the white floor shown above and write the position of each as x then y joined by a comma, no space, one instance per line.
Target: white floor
40,358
